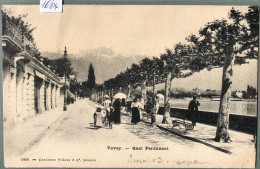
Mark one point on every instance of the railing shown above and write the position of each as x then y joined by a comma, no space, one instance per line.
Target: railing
28,46
9,30
12,32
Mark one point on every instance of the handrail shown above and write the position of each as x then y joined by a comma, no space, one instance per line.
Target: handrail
9,29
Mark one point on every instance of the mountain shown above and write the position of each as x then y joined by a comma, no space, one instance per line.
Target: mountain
106,62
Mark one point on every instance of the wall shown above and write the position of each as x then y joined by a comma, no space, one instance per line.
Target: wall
247,124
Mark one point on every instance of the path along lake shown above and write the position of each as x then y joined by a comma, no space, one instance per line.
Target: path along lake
244,107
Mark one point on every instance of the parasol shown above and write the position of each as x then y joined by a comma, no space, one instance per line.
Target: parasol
119,96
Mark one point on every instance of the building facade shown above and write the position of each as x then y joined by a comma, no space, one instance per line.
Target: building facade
29,87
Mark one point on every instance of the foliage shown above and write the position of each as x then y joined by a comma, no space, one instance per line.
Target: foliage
75,86
85,90
25,28
62,66
250,93
221,43
91,77
220,36
20,23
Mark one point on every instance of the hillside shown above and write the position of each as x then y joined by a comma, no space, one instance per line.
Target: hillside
107,63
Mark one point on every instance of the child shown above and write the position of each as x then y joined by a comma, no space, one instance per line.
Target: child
97,118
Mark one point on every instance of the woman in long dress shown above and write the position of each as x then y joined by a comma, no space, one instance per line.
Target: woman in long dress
117,105
135,106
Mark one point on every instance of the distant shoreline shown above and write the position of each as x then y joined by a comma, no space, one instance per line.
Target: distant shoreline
247,107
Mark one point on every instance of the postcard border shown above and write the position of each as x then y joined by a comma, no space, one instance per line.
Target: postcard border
131,2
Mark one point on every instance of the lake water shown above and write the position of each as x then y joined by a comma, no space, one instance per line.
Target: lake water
245,107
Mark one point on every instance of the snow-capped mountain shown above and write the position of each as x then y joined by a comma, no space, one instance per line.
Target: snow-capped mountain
106,62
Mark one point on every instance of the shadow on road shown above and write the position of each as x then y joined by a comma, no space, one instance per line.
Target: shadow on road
153,134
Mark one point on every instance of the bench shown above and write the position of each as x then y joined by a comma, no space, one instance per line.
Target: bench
187,125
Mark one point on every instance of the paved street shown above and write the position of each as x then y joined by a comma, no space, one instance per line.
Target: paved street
73,141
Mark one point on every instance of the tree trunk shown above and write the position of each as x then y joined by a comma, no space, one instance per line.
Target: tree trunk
129,91
143,93
102,96
222,134
166,111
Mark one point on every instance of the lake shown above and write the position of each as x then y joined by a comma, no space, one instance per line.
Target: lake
244,107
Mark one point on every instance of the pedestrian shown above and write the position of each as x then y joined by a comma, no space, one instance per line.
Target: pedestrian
149,106
106,104
135,106
110,115
117,116
193,110
123,105
128,106
97,118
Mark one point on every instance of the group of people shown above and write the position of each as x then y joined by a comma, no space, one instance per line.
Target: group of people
152,107
111,112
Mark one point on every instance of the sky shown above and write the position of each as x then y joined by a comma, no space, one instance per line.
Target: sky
134,30
130,29
243,75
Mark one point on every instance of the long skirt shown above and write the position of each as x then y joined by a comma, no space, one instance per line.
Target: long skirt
99,119
194,117
117,116
135,115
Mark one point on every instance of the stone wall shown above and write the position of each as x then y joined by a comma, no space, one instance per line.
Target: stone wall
242,123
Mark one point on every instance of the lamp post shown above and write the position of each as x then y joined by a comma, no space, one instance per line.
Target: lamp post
65,91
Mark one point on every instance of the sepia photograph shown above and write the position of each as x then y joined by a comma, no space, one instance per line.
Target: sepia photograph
130,86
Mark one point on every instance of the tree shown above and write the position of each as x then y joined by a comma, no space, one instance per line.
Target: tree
222,43
91,82
62,66
175,61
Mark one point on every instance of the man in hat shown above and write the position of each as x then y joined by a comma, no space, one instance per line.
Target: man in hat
193,109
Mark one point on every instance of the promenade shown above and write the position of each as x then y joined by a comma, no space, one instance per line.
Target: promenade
55,138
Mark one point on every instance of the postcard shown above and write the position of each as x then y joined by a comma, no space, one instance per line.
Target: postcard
139,86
